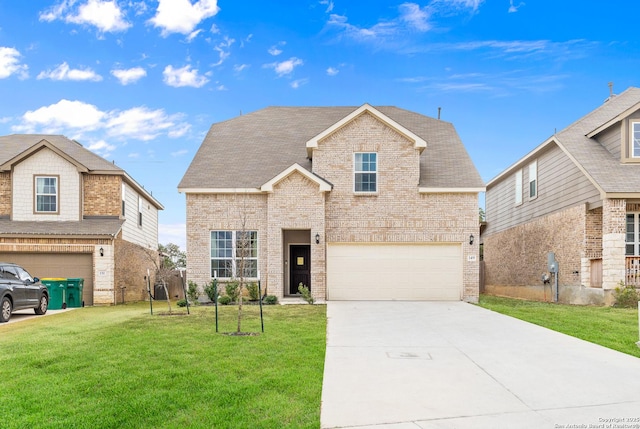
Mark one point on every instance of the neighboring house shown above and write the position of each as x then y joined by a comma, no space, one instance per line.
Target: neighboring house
66,212
577,195
365,202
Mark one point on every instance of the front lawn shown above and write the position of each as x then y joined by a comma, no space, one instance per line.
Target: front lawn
119,367
615,328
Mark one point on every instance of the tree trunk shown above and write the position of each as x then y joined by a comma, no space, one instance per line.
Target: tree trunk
166,291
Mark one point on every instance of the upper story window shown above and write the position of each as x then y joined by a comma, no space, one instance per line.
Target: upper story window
124,190
139,211
635,139
46,194
518,187
234,253
365,168
533,180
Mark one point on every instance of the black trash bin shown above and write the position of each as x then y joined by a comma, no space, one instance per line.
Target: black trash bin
159,292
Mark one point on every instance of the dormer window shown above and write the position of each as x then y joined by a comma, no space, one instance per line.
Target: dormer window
365,172
635,136
46,195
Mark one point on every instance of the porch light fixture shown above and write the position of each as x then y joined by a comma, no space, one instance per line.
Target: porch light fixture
101,251
471,239
317,238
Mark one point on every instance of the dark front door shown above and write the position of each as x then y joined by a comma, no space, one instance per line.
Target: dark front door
299,267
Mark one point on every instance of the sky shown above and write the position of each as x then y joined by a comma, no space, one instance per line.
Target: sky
141,82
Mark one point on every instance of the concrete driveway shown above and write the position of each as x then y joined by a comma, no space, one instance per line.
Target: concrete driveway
410,365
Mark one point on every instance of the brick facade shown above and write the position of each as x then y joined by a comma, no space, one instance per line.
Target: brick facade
614,214
5,194
132,262
397,213
102,195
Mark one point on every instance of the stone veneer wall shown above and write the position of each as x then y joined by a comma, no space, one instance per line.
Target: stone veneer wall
5,194
516,258
102,195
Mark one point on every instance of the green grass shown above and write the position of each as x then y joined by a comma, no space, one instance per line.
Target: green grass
119,367
615,328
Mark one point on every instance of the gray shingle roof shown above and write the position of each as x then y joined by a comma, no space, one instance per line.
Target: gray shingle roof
87,227
14,144
248,151
605,169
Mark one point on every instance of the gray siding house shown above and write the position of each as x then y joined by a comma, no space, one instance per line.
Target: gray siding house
361,202
578,195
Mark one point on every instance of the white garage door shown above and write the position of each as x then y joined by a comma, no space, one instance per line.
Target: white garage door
411,272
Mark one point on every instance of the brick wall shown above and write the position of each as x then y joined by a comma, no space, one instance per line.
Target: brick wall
5,194
132,262
102,195
614,214
296,203
397,213
516,258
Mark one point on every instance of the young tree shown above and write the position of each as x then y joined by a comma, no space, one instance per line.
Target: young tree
163,272
172,256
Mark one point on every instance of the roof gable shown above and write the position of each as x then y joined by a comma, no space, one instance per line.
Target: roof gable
8,164
322,184
418,142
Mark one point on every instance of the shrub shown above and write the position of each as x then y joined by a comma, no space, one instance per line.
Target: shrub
192,291
626,296
210,291
182,303
270,300
224,300
233,290
254,293
306,294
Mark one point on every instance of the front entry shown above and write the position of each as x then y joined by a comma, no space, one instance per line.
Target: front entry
299,267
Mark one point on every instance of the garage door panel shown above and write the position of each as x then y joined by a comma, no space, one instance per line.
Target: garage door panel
67,265
394,271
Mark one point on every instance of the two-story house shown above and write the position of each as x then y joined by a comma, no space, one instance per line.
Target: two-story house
577,195
66,212
375,203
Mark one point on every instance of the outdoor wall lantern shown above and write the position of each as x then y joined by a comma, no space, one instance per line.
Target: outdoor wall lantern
317,238
101,251
471,239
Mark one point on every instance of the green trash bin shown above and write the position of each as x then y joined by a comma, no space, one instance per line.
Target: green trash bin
74,292
57,288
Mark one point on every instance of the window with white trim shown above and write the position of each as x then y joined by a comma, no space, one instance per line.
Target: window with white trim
518,187
233,252
46,194
124,194
365,169
533,180
632,238
635,139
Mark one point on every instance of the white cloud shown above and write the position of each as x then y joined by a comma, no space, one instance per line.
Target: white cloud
275,49
10,63
106,16
328,3
285,67
513,8
193,35
222,49
182,16
298,83
415,16
331,71
64,115
184,76
64,72
76,119
127,76
102,148
239,67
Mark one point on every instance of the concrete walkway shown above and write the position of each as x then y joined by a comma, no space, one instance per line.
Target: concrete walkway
410,365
